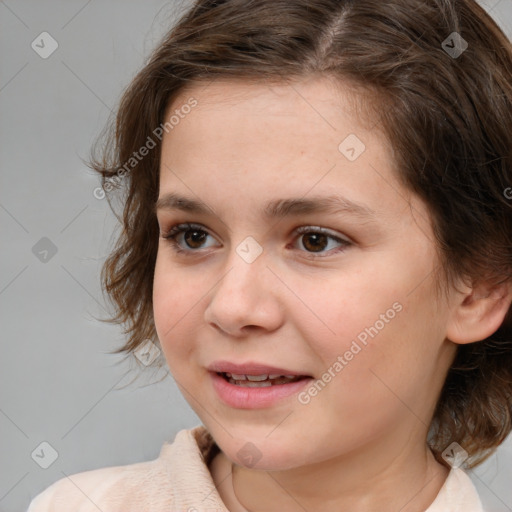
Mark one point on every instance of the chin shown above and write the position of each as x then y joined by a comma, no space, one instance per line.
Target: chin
258,451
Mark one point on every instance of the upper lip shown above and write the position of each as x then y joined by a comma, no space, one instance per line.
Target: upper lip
251,368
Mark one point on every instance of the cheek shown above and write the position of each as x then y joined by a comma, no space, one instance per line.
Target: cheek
176,302
372,334
390,367
356,307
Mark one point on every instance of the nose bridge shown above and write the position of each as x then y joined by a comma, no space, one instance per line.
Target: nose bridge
246,269
244,295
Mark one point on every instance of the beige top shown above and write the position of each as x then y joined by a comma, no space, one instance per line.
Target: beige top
179,481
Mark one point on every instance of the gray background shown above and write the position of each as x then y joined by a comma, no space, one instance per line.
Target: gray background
57,381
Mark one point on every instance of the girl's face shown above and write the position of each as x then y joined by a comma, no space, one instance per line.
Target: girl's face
305,257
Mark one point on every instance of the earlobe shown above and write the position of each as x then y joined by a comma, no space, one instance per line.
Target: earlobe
479,313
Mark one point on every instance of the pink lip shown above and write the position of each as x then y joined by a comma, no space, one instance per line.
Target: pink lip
252,398
250,368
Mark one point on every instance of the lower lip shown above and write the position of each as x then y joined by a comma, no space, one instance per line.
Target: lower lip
242,397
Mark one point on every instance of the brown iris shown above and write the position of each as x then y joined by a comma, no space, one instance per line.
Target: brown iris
195,236
319,241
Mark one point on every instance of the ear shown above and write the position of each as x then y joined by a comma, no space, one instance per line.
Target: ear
479,312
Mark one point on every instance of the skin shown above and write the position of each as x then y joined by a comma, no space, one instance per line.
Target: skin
360,444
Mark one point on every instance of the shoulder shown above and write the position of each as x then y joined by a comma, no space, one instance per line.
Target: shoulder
108,489
138,487
458,494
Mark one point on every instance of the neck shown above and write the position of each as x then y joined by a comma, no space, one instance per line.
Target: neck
404,476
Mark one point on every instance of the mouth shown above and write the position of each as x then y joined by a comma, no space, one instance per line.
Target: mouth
255,385
256,390
260,381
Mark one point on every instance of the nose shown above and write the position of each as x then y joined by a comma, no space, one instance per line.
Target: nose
246,299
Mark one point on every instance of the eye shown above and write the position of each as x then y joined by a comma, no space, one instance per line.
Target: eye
193,235
317,240
190,238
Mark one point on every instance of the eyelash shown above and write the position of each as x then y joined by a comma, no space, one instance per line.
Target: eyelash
171,235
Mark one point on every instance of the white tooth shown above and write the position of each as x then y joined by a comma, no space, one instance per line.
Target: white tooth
237,377
256,378
228,375
248,384
290,376
274,375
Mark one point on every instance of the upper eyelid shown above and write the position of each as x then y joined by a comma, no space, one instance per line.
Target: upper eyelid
185,226
325,231
182,227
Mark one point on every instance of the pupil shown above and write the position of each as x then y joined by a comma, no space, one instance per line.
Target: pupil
319,241
197,237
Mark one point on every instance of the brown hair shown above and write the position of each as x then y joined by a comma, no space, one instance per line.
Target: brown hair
448,119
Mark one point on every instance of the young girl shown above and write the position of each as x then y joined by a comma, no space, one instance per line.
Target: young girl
317,232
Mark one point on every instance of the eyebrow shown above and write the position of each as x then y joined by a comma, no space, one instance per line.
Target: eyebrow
277,208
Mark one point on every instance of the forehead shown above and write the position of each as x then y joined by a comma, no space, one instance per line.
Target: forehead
233,90
325,97
308,118
260,139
